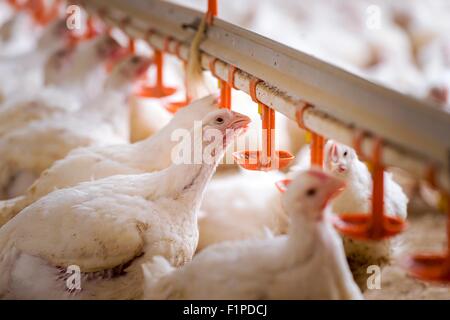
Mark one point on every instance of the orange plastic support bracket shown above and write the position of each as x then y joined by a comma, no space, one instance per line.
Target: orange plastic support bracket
231,72
357,143
159,90
252,90
377,222
173,107
132,45
212,67
91,32
300,113
225,89
317,149
317,141
268,158
178,51
268,122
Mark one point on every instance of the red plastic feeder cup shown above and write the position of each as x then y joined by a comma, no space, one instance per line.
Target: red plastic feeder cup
268,158
259,161
159,90
173,107
432,267
375,226
41,14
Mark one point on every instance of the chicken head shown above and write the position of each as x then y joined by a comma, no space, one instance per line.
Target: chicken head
310,192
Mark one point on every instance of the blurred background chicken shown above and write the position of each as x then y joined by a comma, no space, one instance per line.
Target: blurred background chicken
66,119
342,161
25,72
104,121
18,31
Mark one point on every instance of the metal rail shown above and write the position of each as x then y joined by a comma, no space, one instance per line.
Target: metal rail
416,134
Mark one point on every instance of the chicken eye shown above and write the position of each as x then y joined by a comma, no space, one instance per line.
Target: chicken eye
135,60
345,153
311,192
219,120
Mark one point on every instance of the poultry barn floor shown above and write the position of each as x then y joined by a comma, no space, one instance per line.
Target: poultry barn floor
425,233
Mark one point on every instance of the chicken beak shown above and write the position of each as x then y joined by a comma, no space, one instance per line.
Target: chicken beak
118,53
240,121
332,187
282,185
141,71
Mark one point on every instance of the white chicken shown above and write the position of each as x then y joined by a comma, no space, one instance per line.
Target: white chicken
148,115
21,110
241,206
6,12
92,163
308,263
105,122
434,59
342,161
244,204
81,71
110,227
18,34
25,72
86,83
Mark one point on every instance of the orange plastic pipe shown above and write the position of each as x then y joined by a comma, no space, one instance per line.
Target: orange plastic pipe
225,88
448,233
175,106
317,147
377,224
90,29
132,46
225,95
159,61
317,141
212,11
268,124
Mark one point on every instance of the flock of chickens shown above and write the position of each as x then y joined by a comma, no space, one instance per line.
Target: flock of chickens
77,192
